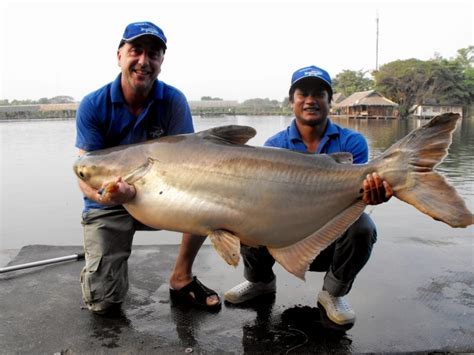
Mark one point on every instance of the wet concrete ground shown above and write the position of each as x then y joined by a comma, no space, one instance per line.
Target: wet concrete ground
413,297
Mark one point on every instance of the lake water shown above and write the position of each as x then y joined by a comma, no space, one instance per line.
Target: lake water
40,202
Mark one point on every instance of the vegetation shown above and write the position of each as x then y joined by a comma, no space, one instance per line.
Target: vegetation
414,82
42,101
349,82
209,98
262,107
408,82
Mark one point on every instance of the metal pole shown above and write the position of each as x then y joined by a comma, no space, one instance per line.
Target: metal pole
377,43
42,262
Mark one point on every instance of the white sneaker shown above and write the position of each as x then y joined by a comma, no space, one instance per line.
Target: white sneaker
337,308
248,290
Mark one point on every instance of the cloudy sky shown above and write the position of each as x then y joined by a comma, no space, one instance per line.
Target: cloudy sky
230,49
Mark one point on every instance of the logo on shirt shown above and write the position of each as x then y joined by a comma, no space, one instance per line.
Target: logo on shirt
155,132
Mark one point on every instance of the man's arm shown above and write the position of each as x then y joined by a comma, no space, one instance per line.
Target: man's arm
117,191
180,120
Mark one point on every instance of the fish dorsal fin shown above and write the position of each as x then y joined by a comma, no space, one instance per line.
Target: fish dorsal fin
232,134
342,157
297,257
227,246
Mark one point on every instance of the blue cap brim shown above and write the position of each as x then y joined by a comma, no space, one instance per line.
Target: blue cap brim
159,39
305,78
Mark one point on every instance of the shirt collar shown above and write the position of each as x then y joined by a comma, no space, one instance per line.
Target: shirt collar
331,130
117,96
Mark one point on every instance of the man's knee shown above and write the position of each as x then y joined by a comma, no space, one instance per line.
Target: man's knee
363,231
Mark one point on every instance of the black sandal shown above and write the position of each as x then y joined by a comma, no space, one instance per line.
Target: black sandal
194,294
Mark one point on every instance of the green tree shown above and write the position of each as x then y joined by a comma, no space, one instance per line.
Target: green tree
402,81
465,59
414,82
448,84
258,106
61,99
469,83
350,81
210,98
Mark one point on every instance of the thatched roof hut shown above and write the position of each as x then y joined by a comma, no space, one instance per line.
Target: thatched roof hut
367,104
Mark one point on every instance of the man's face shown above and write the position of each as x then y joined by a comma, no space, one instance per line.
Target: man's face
310,102
140,62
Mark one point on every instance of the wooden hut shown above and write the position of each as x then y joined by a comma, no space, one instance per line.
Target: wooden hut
428,110
367,104
337,97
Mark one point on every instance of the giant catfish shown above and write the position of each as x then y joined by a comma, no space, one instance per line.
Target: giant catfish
210,183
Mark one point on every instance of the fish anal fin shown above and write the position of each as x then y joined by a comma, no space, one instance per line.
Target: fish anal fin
227,246
296,258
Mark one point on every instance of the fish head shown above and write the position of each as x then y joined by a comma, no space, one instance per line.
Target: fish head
96,169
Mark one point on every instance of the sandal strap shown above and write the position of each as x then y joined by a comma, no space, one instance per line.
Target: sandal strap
201,292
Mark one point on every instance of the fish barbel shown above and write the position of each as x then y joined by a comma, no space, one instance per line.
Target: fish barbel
210,183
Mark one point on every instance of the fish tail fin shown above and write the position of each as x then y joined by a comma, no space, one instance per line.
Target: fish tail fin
408,166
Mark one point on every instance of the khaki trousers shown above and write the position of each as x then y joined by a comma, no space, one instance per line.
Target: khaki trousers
108,236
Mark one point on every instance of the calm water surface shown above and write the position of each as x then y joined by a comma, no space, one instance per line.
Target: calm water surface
40,202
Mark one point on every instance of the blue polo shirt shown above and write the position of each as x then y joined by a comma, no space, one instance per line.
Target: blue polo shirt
103,120
335,139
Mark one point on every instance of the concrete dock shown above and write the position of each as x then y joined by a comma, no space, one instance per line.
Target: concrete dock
404,303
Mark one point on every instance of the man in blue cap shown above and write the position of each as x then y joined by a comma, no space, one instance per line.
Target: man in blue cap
133,108
313,132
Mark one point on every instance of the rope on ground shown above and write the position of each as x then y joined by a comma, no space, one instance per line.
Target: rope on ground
298,345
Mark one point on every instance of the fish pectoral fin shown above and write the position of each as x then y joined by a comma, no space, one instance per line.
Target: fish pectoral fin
139,172
296,258
227,246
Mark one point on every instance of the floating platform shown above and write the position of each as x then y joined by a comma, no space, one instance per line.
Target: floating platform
411,297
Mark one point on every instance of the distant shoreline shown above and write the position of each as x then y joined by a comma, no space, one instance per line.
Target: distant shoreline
57,112
68,111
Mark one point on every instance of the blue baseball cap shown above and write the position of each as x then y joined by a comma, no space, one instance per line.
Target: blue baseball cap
138,29
312,72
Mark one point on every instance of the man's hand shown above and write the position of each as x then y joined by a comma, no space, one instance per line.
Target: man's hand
116,192
376,190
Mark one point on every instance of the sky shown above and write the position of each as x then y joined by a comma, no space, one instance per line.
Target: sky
234,50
